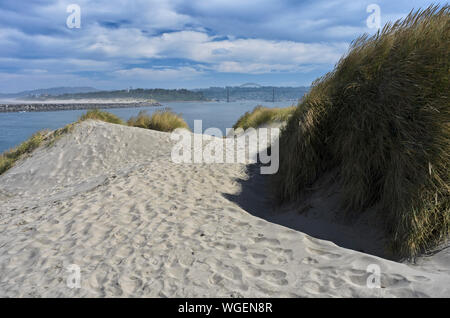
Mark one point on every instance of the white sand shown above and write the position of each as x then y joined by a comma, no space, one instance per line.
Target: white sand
109,199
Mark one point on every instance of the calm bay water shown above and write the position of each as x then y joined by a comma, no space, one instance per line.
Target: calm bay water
17,127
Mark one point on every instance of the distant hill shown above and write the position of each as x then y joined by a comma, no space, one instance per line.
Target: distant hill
54,91
247,91
252,91
250,85
158,94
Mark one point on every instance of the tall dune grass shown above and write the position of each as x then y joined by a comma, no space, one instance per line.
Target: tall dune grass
161,120
261,115
381,119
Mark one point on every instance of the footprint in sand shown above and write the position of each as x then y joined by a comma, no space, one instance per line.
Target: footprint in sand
225,246
284,255
275,276
269,241
129,284
229,271
216,279
252,271
313,287
258,256
310,261
322,253
395,281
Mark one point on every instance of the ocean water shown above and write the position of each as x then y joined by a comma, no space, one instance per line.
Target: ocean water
17,127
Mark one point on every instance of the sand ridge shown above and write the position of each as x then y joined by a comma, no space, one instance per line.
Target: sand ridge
109,199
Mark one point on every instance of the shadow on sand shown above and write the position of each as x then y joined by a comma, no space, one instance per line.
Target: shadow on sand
315,216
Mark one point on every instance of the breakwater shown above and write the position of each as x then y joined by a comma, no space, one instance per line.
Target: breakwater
47,107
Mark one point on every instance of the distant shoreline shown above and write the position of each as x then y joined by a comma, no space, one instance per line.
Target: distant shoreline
46,107
49,106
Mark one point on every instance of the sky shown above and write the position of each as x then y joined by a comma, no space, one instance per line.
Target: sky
181,44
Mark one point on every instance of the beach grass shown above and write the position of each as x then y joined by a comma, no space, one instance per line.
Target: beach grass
41,138
161,120
58,133
10,157
261,115
97,114
381,121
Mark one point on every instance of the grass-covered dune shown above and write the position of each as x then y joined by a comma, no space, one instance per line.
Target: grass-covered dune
164,120
381,121
41,138
8,158
261,115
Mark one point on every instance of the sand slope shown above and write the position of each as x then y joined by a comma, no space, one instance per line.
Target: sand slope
109,199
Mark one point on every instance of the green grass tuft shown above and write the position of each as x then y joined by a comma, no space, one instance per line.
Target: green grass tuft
10,157
261,115
58,133
381,119
161,120
96,114
41,138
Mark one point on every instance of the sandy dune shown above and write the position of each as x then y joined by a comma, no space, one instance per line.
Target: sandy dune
109,199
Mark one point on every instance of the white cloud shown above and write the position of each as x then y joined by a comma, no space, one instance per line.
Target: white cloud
260,68
65,65
226,54
192,39
166,73
346,31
